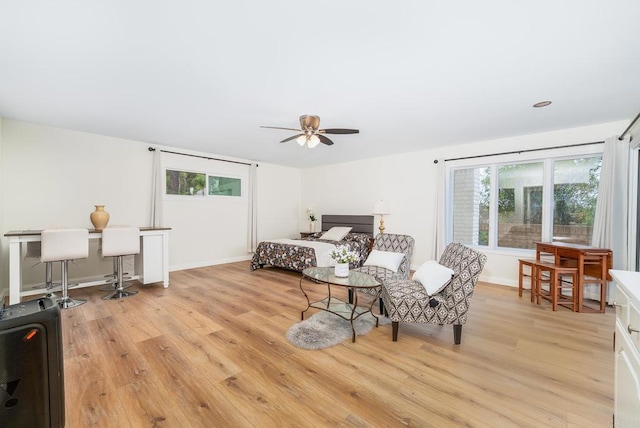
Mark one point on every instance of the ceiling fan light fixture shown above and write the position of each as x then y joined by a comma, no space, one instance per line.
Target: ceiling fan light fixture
313,141
309,133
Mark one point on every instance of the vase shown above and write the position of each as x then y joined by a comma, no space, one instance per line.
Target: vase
312,226
341,270
99,218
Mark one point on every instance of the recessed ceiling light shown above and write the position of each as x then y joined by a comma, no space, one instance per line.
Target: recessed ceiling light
542,104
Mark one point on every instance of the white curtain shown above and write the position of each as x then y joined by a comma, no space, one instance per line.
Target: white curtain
610,223
439,241
252,235
156,189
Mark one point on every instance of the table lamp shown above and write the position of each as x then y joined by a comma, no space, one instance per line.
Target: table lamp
380,209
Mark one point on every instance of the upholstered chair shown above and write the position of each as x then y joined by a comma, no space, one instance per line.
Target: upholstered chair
391,243
407,300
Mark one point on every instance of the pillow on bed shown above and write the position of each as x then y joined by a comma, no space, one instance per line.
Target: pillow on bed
385,259
336,233
433,276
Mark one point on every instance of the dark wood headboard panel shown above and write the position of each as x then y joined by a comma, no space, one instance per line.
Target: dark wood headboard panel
359,223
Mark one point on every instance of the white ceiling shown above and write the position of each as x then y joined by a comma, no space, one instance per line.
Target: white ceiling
411,75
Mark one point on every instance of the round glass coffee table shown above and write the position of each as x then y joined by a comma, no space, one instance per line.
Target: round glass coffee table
354,282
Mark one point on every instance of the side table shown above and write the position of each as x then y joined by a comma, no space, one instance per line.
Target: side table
345,310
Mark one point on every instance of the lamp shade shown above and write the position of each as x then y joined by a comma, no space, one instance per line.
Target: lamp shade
313,141
380,208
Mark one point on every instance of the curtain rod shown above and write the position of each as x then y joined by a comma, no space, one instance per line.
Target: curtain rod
523,151
152,149
633,122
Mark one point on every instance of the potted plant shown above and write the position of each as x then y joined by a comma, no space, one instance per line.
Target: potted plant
342,255
312,220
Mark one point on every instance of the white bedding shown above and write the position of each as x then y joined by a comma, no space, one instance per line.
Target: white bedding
322,249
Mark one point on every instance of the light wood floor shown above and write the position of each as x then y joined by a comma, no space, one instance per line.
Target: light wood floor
210,351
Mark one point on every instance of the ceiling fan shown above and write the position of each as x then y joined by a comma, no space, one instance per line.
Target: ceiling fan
309,132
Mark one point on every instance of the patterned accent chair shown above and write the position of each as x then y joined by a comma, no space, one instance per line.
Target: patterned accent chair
397,244
407,300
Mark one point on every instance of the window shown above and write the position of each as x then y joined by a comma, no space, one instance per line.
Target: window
185,183
515,205
575,194
521,226
226,186
199,184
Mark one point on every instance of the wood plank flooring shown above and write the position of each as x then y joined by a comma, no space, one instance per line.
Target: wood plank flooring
210,351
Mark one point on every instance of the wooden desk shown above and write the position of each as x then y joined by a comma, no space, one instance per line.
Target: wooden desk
151,265
593,267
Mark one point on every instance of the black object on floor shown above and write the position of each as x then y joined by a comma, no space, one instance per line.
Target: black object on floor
31,365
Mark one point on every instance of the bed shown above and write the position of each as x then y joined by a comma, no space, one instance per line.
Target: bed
311,251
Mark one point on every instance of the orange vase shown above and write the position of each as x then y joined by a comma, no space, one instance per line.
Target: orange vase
99,218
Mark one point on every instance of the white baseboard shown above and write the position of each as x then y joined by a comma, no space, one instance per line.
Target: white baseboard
509,282
209,263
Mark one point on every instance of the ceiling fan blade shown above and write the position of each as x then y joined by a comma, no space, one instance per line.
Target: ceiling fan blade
278,127
338,131
325,140
291,138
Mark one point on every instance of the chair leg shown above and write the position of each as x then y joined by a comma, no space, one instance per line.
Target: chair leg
520,271
120,292
48,269
65,301
555,289
457,333
394,330
381,306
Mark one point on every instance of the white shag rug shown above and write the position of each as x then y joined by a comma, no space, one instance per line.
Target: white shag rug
325,329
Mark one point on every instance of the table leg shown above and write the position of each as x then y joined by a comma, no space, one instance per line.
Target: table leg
353,310
306,297
15,270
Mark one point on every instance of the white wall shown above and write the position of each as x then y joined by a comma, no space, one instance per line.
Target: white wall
52,177
279,206
210,230
407,184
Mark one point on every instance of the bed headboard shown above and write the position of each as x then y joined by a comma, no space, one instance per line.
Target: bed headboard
359,223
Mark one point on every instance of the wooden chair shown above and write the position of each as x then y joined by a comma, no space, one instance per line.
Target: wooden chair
531,274
552,274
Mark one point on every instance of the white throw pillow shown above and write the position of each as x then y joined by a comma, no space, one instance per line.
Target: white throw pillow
433,276
386,259
336,233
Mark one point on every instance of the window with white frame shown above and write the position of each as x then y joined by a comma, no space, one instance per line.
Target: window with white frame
189,183
511,204
185,183
225,186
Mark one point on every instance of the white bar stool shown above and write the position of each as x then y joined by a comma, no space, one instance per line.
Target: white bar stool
62,245
118,242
